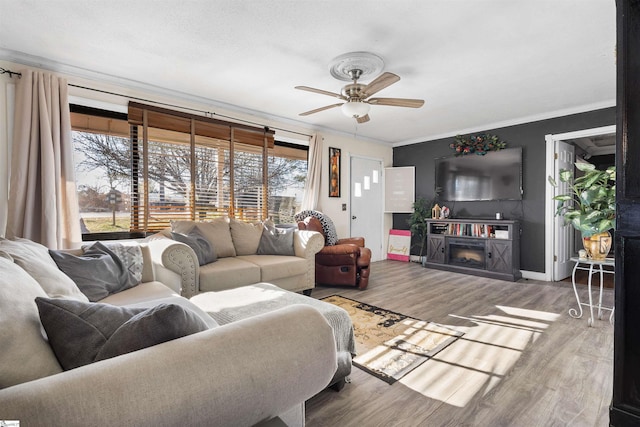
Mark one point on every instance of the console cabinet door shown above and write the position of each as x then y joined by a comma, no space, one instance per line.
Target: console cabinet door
435,249
499,256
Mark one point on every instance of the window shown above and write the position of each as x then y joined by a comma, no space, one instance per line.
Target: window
102,155
134,178
287,176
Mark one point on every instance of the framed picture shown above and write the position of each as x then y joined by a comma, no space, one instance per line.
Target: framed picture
334,172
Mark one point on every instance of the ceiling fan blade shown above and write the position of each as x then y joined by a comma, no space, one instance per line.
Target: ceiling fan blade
317,110
363,119
379,83
321,92
397,102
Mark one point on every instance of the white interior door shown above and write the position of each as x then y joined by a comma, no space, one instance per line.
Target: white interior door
367,203
563,244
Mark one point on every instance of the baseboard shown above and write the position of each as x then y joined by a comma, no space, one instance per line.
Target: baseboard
619,417
534,275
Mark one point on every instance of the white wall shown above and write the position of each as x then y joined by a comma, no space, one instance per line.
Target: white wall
330,206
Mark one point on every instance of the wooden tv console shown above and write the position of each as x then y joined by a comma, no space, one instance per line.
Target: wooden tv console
483,247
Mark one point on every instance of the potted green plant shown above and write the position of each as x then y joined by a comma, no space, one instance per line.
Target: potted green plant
418,222
589,206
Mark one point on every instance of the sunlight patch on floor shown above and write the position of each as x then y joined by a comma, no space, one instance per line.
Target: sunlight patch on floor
477,362
531,314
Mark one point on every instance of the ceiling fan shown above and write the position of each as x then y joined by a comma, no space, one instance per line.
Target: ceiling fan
357,96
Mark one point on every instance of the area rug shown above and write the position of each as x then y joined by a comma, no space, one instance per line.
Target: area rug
389,345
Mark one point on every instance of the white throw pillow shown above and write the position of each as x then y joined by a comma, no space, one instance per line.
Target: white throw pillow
34,258
25,354
217,232
246,236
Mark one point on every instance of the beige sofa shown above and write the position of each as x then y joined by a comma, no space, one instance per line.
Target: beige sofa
236,244
208,378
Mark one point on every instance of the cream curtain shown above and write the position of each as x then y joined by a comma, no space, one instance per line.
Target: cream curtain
43,204
314,175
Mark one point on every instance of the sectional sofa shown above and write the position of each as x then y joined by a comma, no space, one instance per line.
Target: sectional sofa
213,377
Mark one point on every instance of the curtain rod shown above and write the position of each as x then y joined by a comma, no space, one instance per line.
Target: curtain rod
12,73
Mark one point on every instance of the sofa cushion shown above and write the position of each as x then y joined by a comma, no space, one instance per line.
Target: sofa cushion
98,272
204,250
25,354
81,333
228,273
34,258
330,234
217,232
274,267
276,241
149,294
245,236
145,291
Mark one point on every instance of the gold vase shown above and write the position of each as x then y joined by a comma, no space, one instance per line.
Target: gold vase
597,245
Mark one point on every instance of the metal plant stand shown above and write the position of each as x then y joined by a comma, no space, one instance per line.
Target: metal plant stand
588,265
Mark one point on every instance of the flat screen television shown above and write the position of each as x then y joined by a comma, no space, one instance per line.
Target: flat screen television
495,176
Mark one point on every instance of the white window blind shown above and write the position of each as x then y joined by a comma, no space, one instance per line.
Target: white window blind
197,168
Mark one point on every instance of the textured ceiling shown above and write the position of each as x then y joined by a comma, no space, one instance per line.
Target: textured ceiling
477,63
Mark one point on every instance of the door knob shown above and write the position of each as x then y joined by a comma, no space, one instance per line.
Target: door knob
353,217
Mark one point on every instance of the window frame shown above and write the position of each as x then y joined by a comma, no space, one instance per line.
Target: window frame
138,158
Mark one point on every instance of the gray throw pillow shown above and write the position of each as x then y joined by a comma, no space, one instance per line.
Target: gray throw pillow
81,333
204,250
98,272
129,253
276,241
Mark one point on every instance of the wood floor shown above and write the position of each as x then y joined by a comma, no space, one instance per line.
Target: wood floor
523,361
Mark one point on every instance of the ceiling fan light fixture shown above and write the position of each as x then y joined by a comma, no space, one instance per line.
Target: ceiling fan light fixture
355,109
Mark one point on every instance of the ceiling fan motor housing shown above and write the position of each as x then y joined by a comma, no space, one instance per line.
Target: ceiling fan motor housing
353,91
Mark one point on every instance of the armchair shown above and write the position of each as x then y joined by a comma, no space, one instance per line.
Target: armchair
344,263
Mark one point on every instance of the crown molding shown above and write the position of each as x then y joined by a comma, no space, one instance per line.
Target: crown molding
21,58
28,60
514,122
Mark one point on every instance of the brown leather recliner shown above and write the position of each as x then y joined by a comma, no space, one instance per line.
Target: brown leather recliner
345,263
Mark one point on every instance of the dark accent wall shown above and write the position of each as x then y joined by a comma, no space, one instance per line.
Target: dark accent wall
530,211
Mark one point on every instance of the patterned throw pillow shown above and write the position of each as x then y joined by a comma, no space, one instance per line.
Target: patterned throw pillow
330,234
131,257
129,253
98,272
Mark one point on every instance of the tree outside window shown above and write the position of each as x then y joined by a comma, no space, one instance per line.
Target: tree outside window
109,167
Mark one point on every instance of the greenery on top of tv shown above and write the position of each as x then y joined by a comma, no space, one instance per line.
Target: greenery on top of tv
478,144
